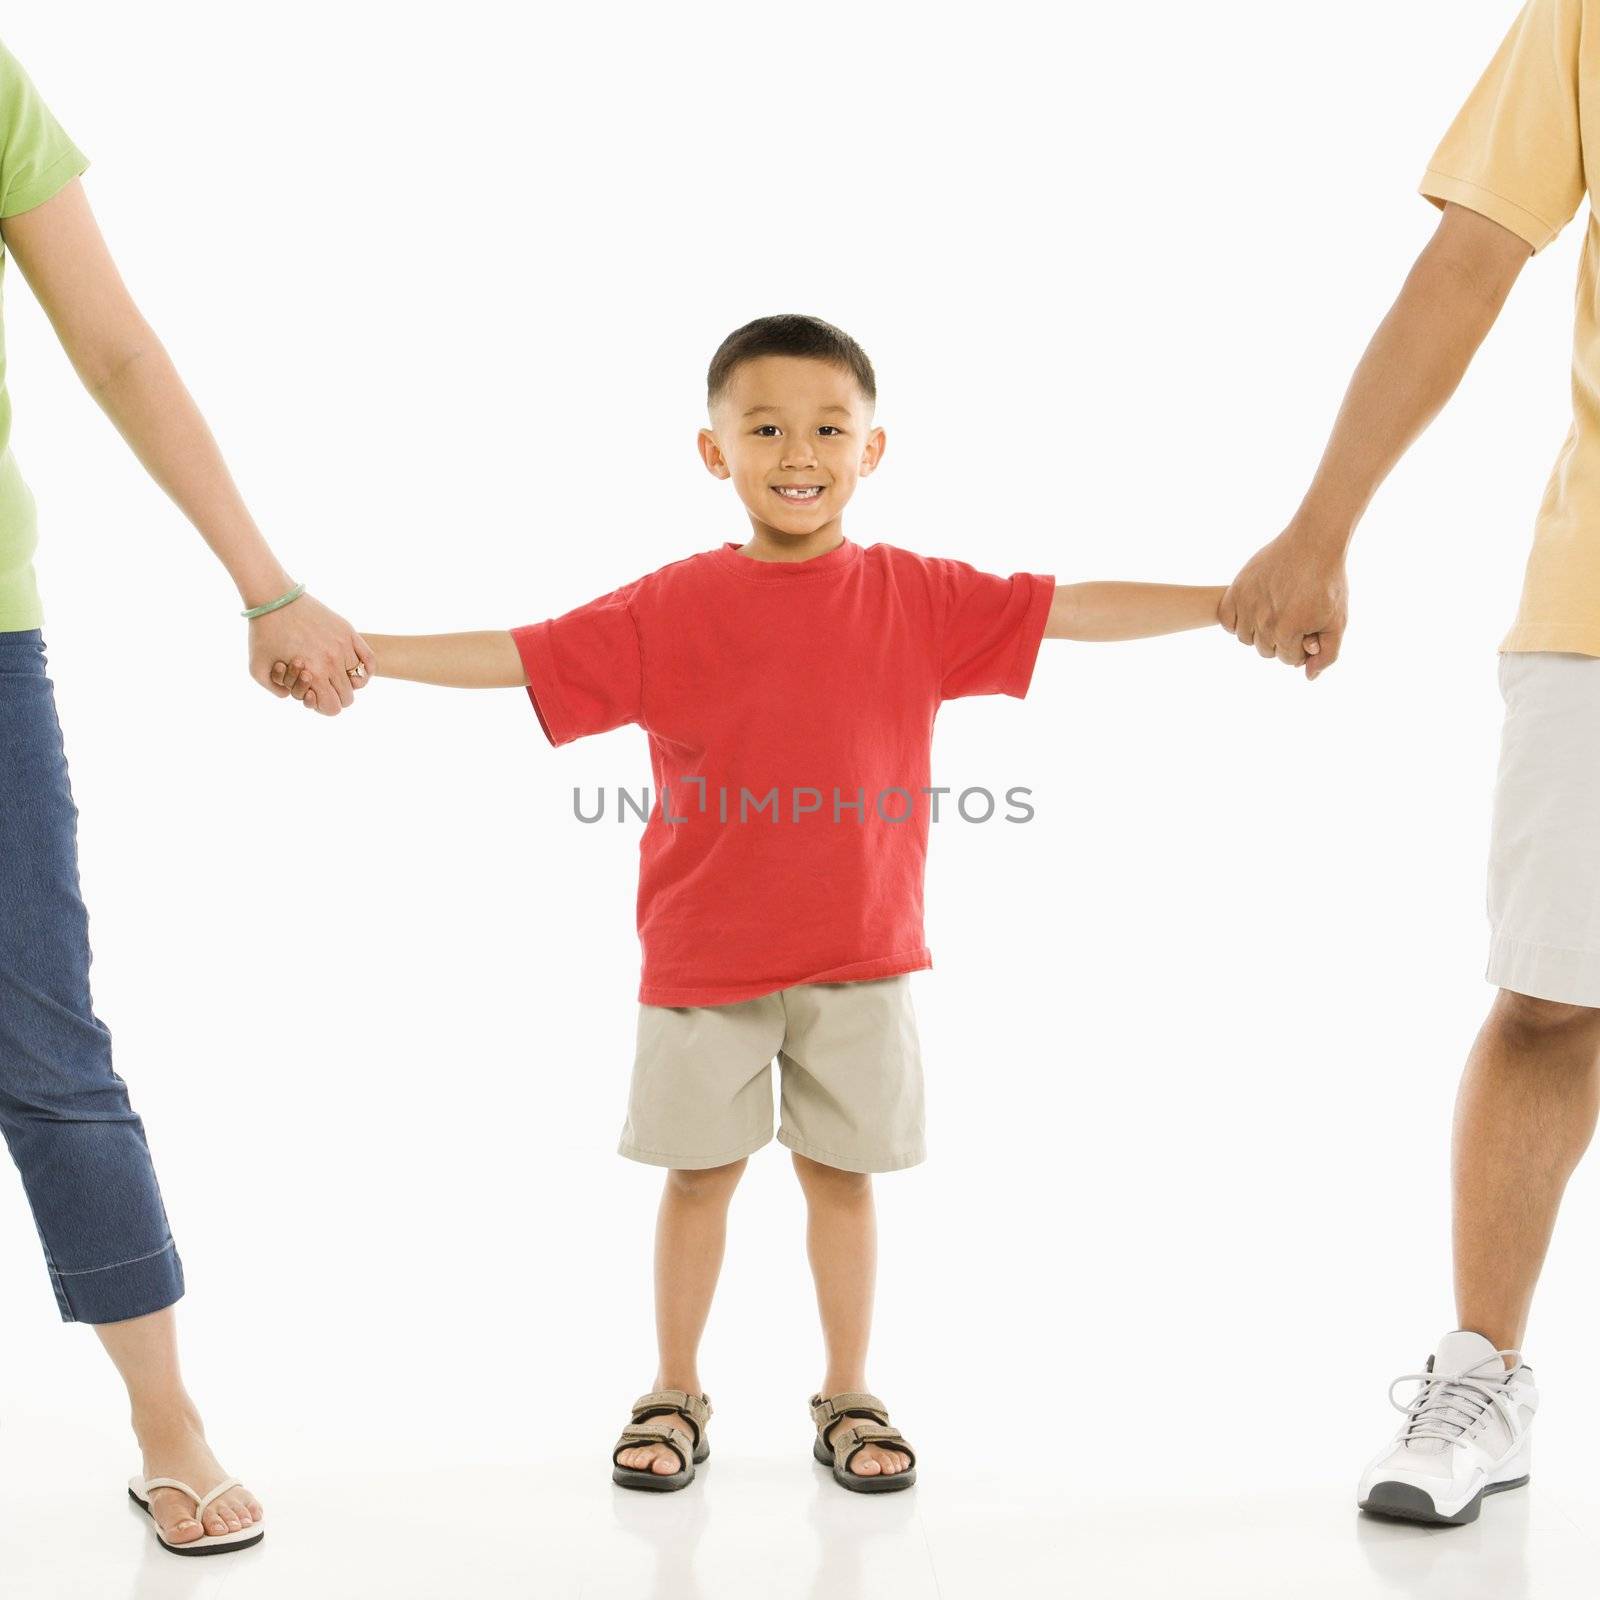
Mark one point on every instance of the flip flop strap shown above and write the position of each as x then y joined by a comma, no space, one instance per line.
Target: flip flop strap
200,1501
674,1439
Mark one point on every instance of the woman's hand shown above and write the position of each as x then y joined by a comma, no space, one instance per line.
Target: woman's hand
331,659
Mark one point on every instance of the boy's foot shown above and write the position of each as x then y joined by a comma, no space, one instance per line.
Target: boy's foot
1465,1435
657,1457
871,1460
681,1410
174,1446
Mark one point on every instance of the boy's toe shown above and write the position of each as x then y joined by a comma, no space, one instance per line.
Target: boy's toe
665,1463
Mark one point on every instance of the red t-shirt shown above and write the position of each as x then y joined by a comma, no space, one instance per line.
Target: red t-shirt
790,711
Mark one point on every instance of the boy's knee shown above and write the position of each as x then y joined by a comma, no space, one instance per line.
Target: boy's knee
698,1182
1530,1022
836,1180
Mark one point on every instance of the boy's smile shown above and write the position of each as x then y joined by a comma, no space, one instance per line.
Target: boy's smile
795,435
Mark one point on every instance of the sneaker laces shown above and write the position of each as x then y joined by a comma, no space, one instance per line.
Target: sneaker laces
1444,1408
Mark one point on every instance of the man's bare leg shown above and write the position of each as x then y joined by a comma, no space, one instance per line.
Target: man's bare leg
1524,1116
691,1235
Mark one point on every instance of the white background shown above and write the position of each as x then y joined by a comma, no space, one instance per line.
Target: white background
445,282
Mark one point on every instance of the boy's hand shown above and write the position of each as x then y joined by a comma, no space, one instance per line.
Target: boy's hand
1290,600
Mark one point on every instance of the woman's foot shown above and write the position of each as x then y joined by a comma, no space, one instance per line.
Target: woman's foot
174,1446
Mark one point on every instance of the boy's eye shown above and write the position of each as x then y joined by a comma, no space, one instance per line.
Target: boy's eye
828,427
767,427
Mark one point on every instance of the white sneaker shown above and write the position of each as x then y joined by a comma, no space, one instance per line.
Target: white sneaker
1465,1435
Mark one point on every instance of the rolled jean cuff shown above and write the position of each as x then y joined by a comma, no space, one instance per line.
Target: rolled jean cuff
128,1289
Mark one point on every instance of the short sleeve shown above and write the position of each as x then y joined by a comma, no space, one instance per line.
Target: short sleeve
37,160
991,629
583,669
1514,153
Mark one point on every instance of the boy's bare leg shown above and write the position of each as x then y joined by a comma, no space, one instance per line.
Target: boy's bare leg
691,1233
167,1425
842,1242
1524,1116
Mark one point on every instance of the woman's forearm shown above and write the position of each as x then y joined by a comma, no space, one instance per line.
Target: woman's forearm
147,401
487,660
62,254
1106,611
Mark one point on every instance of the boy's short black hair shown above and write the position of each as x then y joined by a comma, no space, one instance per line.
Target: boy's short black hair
790,334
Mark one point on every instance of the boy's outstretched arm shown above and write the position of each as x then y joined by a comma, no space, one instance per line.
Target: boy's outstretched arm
488,660
1125,610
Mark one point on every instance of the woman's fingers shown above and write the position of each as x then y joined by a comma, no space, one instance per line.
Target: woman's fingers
342,687
333,691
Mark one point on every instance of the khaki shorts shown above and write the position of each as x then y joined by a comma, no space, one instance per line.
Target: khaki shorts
852,1078
1544,848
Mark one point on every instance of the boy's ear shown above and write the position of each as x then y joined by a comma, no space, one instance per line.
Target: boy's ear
711,454
872,452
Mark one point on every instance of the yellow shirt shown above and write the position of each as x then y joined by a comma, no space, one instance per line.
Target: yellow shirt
1516,153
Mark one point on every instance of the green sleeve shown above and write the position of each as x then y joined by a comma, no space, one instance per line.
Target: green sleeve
36,158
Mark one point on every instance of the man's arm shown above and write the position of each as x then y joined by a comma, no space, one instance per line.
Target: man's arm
488,660
1289,600
1100,611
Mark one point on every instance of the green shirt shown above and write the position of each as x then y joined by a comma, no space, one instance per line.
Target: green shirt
36,160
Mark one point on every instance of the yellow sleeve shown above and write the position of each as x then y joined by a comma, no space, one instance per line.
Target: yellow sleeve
1515,150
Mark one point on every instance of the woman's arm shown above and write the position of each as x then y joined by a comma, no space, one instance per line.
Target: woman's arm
1102,611
452,660
122,363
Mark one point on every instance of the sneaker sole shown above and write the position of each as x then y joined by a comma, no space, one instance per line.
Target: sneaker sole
1406,1503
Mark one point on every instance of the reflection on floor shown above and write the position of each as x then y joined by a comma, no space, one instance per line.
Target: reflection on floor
781,1530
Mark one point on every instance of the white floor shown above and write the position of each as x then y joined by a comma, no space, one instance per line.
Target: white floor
781,1530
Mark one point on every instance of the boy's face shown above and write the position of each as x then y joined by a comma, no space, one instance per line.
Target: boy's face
791,423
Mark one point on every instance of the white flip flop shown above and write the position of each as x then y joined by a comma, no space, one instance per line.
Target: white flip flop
208,1544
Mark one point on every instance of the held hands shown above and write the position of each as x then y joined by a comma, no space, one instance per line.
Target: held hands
330,659
1290,601
297,680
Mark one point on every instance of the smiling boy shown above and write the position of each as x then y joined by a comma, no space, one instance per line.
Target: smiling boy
796,659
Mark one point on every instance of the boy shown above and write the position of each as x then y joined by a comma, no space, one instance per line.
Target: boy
789,688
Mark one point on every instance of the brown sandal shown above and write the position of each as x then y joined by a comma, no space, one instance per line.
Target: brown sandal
846,1442
639,1432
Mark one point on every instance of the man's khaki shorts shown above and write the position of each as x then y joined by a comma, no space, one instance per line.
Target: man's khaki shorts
852,1078
1544,850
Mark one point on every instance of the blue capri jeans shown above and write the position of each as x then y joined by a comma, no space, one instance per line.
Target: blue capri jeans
64,1112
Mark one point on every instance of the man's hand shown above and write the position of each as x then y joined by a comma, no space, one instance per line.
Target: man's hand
331,658
1291,602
